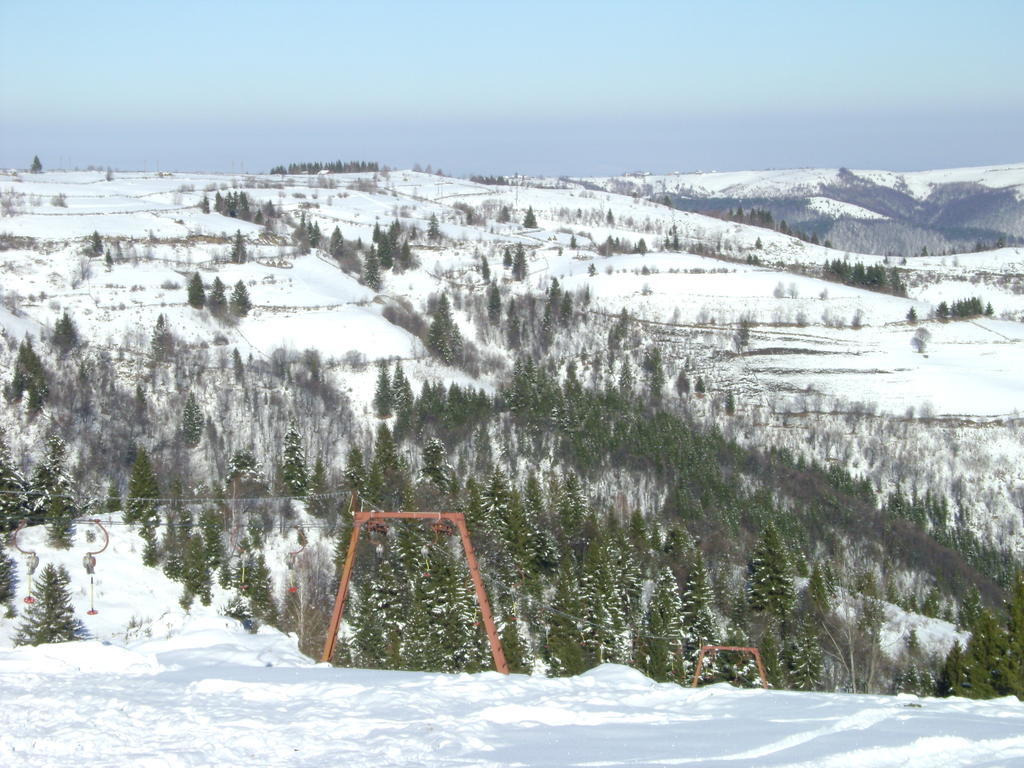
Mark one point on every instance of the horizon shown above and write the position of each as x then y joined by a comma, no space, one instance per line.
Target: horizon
574,89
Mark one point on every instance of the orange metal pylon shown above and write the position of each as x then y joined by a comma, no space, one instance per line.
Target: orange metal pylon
714,649
372,519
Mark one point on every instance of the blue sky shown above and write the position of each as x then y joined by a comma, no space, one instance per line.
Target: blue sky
548,88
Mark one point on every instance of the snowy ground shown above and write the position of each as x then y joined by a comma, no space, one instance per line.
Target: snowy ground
211,694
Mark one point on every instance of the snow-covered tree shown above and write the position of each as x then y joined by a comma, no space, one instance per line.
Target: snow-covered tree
294,472
771,578
51,618
13,489
444,340
191,422
52,494
663,637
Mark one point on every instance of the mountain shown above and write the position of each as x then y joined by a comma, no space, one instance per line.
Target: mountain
663,427
870,212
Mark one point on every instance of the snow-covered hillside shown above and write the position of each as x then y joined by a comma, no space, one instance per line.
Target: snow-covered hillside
810,346
211,694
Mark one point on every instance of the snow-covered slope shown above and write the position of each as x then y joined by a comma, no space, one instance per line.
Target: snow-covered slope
210,694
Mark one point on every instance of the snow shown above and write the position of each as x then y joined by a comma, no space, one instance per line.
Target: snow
837,209
158,686
215,695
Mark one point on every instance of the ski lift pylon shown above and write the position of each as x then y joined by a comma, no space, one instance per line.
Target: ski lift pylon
31,559
89,561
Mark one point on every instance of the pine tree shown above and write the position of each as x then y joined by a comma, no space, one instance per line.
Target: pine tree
294,473
987,665
29,377
378,618
51,618
563,649
530,219
65,334
217,301
493,304
96,244
318,503
238,253
37,167
807,660
655,372
52,494
436,470
444,340
664,637
196,292
382,397
162,341
433,229
240,303
605,619
192,422
698,601
142,506
519,266
13,490
771,577
372,271
8,583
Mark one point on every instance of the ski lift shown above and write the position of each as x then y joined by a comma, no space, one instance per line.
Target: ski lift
378,531
89,561
440,528
293,558
31,559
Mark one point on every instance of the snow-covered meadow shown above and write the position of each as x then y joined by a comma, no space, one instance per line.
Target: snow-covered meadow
208,693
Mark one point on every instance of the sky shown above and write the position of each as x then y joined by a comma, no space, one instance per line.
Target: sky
548,88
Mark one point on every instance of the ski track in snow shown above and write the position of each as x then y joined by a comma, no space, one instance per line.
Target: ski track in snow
215,695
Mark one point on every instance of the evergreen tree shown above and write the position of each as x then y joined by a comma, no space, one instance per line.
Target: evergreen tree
191,422
142,505
382,397
807,662
605,620
65,334
238,253
294,473
372,271
29,377
444,340
530,219
240,303
336,245
318,503
563,650
698,601
493,304
433,229
771,578
519,266
37,167
436,470
13,490
96,244
196,292
986,662
378,618
51,618
655,372
217,301
52,494
8,583
664,636
197,575
162,342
